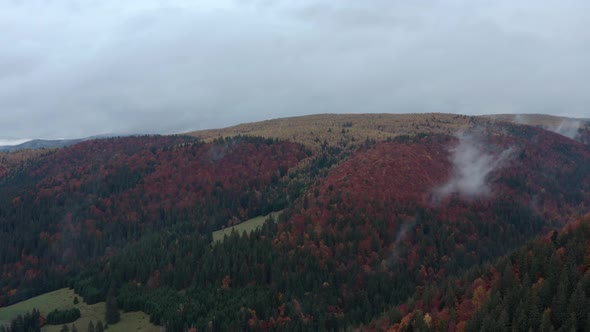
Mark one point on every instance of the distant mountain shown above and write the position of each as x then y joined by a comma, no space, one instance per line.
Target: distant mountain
48,144
40,144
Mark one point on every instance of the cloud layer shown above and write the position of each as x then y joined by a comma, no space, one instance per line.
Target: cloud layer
472,166
80,68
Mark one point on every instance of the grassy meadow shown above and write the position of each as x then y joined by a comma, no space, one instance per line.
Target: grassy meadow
64,299
246,226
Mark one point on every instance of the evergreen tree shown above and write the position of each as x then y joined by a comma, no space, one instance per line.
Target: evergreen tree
65,328
560,301
74,328
99,326
65,316
546,325
578,305
570,324
91,327
27,323
112,314
503,321
522,323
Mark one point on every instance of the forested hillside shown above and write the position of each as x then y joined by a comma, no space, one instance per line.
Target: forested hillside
79,204
12,161
544,286
392,222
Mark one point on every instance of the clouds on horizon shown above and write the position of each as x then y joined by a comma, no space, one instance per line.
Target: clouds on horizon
76,69
6,142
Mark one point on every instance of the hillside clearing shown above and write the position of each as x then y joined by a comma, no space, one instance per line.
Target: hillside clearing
246,226
64,298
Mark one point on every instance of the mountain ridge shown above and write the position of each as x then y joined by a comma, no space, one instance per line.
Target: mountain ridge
366,221
313,130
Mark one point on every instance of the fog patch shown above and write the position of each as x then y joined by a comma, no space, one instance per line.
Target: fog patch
472,165
568,128
520,119
11,142
401,235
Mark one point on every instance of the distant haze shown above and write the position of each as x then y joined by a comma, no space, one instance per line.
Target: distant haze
4,142
568,128
72,68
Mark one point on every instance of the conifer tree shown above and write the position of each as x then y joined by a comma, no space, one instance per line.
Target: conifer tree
546,325
578,305
112,314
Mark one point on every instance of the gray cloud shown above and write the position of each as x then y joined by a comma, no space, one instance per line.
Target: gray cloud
472,165
88,67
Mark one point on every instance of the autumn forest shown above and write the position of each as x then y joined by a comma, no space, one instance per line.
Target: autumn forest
430,223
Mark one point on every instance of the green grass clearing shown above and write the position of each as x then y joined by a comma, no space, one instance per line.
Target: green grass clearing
246,226
63,299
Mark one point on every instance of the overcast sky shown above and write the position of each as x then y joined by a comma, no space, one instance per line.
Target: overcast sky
73,68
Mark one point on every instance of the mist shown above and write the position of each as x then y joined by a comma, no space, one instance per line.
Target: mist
8,142
568,128
401,235
472,166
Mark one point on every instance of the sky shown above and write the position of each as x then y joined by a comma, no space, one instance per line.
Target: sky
73,68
